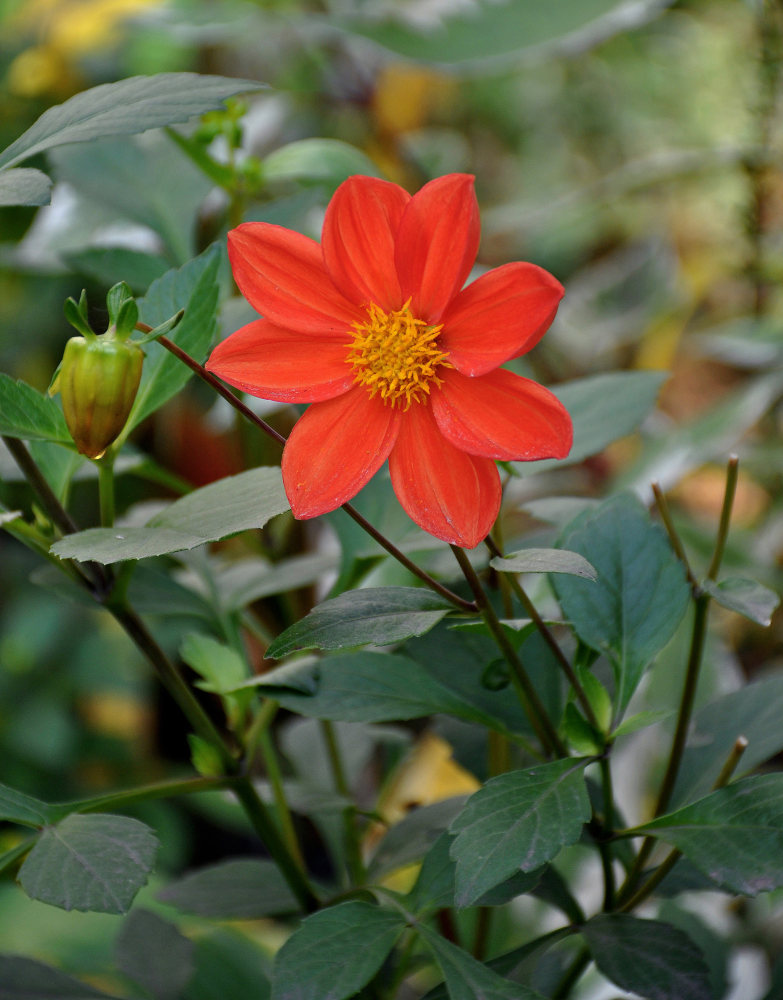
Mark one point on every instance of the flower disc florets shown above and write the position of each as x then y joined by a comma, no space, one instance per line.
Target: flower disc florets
396,355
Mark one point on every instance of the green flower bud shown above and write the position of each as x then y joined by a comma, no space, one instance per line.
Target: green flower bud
98,381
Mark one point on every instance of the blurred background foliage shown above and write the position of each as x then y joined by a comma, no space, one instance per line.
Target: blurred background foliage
633,149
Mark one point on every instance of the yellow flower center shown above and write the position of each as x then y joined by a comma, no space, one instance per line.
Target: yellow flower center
396,355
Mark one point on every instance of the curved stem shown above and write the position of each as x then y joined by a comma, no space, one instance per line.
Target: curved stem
351,511
549,639
532,704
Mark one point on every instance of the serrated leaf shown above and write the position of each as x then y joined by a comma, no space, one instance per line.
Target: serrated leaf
379,615
16,807
434,888
26,413
641,594
193,288
327,160
491,30
517,821
126,107
24,186
648,957
734,835
746,597
603,408
468,979
226,507
153,953
545,561
240,889
365,687
25,979
90,862
752,712
335,952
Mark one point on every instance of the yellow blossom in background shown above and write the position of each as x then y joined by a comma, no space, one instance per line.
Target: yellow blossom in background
62,32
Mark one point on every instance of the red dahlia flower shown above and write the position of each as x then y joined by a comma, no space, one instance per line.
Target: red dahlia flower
398,360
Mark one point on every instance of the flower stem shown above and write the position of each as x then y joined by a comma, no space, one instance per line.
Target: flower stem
660,873
531,703
353,851
674,539
546,634
698,637
285,820
106,488
351,511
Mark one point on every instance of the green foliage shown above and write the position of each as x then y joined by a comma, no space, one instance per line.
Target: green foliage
92,862
242,889
466,978
381,615
335,952
237,503
123,108
25,413
517,821
648,957
734,835
153,953
640,596
25,979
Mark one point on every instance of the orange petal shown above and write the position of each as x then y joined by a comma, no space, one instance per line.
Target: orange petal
334,449
358,240
501,315
502,415
282,275
452,495
266,361
437,244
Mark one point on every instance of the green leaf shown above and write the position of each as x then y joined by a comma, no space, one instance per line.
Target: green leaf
236,503
753,712
152,952
26,979
91,862
468,979
123,108
545,561
193,288
603,409
326,160
491,30
640,596
434,888
365,687
747,597
648,957
335,952
26,413
246,580
222,668
16,807
240,889
380,615
145,179
24,186
517,821
229,965
413,837
734,835
107,264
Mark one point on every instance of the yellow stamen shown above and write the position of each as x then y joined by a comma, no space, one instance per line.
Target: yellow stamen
396,355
